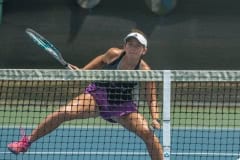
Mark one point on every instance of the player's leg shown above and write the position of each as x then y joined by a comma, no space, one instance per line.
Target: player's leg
80,107
83,106
136,123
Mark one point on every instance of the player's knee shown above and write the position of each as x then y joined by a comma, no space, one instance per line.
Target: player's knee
146,133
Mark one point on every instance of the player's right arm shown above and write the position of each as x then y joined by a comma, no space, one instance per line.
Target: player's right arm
101,60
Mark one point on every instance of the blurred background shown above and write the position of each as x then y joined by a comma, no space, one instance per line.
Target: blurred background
182,34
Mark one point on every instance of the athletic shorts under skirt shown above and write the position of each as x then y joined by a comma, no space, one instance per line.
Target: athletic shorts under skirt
109,111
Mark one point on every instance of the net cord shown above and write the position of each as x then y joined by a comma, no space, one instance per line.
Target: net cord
118,75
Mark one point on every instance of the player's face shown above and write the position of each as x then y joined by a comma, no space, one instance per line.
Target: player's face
134,47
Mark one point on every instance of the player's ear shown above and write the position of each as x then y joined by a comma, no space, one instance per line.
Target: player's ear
145,51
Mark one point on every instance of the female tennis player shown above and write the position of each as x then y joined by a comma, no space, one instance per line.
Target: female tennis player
100,99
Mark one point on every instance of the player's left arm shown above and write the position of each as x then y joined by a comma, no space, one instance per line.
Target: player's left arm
151,96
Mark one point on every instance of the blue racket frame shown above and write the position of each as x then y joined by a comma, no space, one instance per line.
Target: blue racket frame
47,46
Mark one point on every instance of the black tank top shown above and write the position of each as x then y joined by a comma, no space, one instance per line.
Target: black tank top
118,91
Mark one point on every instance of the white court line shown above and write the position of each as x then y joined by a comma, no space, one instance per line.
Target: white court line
128,153
206,154
82,153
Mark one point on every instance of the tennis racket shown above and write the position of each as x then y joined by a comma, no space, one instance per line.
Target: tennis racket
47,46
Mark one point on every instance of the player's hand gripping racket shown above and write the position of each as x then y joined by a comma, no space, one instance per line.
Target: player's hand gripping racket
47,46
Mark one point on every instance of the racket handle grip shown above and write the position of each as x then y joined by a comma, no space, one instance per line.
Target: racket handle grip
67,66
72,67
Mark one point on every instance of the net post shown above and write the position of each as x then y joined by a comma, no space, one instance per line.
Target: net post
166,114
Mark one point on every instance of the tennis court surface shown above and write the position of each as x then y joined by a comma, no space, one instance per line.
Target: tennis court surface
117,143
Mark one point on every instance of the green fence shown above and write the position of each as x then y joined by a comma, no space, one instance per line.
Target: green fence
1,8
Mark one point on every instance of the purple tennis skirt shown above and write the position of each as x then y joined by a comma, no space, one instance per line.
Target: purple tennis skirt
109,111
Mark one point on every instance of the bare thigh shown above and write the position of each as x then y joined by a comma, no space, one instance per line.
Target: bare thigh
82,106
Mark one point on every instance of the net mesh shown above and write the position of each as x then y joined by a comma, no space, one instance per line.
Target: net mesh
205,114
206,120
28,96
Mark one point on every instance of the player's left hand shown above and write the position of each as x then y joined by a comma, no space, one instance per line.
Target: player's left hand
155,124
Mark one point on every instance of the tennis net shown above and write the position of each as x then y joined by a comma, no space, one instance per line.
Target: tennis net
200,114
205,115
28,96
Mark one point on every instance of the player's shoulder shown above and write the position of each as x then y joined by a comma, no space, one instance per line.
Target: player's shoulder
111,54
144,65
114,51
